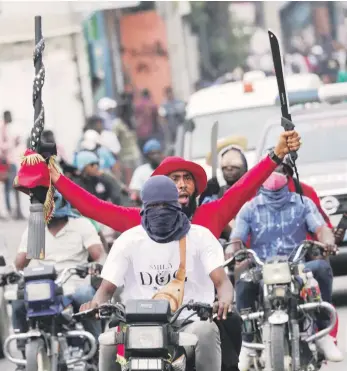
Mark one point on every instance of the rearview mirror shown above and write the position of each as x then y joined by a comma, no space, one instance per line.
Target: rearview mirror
2,261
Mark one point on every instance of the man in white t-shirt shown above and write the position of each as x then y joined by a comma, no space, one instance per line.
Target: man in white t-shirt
146,258
152,150
70,240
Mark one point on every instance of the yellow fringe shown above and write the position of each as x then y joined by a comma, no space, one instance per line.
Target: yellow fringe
121,360
52,164
31,159
49,205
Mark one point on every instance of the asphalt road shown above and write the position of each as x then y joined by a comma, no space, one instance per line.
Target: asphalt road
12,232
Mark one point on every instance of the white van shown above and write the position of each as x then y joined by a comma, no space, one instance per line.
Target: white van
241,108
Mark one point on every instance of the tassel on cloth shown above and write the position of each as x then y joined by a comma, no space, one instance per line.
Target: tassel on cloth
36,232
31,159
49,202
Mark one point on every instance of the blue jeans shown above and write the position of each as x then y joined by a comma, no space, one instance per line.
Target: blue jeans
248,292
82,295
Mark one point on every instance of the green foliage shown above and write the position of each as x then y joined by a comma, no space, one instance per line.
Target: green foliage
222,41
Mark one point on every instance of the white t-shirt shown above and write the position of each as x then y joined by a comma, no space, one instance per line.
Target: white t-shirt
68,248
144,266
140,176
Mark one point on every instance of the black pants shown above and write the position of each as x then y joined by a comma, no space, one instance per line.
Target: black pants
231,341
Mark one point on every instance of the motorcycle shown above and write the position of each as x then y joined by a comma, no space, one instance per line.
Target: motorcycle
151,333
55,340
5,320
283,325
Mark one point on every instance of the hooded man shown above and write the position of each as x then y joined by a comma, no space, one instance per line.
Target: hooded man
234,165
190,254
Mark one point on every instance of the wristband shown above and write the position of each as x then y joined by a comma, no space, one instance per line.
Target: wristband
275,158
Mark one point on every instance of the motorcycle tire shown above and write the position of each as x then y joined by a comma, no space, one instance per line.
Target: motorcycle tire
277,347
36,356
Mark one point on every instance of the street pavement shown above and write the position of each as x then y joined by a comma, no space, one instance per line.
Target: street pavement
13,230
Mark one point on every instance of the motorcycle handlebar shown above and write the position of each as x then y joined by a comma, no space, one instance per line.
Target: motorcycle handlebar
203,310
300,251
81,271
10,278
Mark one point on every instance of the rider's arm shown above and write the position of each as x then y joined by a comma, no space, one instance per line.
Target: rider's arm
21,260
114,270
311,193
242,225
211,256
316,224
116,217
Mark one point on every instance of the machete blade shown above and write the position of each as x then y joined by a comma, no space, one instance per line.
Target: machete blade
278,65
214,154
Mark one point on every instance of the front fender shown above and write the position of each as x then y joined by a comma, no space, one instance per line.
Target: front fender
278,317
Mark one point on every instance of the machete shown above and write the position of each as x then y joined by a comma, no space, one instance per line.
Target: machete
286,121
214,154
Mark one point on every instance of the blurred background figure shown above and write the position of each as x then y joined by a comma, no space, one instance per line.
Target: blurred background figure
124,128
146,118
153,153
172,112
106,110
10,141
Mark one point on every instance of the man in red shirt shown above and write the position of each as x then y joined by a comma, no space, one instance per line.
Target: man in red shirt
191,180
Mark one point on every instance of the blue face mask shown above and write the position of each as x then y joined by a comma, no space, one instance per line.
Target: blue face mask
165,224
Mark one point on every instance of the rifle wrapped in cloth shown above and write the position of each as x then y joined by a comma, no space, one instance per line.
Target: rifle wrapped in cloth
33,177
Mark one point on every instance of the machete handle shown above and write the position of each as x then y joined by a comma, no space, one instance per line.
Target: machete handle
288,126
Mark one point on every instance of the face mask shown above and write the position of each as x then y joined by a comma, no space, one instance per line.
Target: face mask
275,182
165,224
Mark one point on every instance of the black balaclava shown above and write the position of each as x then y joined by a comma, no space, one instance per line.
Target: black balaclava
162,216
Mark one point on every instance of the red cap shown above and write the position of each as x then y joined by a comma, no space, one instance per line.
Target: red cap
175,163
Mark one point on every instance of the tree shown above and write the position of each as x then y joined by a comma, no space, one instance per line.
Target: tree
223,43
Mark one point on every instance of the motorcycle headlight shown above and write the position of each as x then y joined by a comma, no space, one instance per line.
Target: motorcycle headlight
146,364
276,273
38,291
145,337
279,291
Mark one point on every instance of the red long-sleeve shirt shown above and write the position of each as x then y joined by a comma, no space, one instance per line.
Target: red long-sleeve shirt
213,216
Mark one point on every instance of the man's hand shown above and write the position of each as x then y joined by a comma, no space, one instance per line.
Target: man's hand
55,175
288,141
339,234
232,248
223,306
330,249
94,269
89,305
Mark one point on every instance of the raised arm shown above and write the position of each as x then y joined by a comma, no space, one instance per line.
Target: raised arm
116,217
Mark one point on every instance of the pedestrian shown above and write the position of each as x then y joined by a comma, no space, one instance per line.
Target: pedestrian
146,119
172,112
10,143
123,126
153,153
